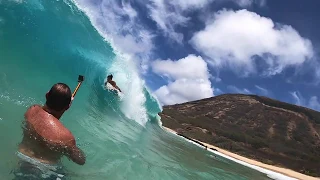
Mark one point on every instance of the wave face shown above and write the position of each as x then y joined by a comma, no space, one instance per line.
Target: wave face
45,42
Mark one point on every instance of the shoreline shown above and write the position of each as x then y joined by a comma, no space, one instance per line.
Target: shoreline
219,151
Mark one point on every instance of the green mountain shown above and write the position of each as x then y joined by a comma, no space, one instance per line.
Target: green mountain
256,127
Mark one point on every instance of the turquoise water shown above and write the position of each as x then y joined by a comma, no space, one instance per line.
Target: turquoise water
45,42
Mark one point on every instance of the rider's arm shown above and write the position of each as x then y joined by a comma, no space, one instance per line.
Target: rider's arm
115,85
118,88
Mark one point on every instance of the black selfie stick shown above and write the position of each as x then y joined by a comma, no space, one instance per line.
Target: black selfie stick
80,80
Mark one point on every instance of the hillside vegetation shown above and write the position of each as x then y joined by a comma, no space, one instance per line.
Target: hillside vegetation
260,128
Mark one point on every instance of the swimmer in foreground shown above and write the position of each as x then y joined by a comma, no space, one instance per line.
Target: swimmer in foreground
45,138
113,83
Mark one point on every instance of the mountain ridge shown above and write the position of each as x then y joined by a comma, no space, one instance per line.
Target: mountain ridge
257,127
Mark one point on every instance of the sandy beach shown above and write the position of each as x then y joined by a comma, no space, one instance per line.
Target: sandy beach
280,170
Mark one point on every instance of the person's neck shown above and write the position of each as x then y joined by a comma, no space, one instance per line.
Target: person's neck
56,114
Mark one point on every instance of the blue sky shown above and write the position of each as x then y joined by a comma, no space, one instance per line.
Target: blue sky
193,49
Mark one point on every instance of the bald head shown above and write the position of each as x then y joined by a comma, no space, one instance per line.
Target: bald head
59,97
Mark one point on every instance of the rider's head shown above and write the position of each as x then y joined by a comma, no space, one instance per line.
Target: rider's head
59,97
110,77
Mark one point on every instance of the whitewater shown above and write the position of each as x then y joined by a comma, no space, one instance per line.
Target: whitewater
45,42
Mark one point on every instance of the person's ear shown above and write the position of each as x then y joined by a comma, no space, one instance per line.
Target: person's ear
72,98
68,106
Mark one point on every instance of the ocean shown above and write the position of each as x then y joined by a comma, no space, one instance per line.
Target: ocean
43,42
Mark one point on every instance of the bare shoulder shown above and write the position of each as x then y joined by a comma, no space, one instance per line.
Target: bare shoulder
32,110
59,132
34,107
47,126
65,133
113,83
68,139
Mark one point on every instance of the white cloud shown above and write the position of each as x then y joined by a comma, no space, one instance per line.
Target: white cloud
215,78
184,90
189,80
190,67
167,20
299,100
235,38
218,91
234,89
247,3
262,3
244,3
190,4
312,103
171,14
262,90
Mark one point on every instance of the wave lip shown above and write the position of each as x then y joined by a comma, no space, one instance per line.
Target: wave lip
124,68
